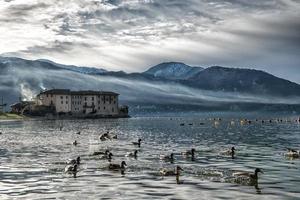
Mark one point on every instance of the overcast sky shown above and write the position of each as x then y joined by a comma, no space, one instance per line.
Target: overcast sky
132,35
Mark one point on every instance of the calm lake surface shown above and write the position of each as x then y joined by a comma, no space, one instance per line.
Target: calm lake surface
33,156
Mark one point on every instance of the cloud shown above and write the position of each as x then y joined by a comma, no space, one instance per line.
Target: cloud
131,35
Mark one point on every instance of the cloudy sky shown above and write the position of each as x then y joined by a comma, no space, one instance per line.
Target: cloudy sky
132,35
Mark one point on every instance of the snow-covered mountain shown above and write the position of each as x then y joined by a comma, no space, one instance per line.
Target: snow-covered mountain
173,71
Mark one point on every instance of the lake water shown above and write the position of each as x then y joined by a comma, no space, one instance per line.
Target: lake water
33,156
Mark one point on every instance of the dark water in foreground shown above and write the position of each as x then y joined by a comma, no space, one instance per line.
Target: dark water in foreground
33,153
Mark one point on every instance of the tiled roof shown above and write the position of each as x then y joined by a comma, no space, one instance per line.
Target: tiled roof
90,92
56,91
80,92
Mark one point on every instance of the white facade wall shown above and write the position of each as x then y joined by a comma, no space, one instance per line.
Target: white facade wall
82,102
62,102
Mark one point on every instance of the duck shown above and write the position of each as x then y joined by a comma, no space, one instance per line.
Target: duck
113,166
74,161
252,177
107,156
75,143
101,152
167,158
182,124
229,152
138,143
104,136
189,153
292,153
132,154
114,136
71,169
168,172
78,133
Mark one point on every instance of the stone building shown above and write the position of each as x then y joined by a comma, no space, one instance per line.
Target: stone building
80,102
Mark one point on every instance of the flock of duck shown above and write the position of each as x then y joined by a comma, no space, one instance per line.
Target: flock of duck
249,177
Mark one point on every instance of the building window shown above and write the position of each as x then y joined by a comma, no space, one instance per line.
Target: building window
51,103
47,95
66,102
92,98
61,97
113,110
104,108
85,98
62,102
114,102
98,108
85,104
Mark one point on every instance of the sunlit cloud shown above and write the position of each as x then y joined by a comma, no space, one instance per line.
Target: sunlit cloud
132,35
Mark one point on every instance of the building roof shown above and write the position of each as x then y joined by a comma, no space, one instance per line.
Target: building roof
56,91
80,92
90,92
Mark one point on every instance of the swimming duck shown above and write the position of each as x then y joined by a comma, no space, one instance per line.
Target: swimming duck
167,158
107,156
101,153
75,143
292,153
189,153
74,161
182,124
253,177
112,166
71,169
113,136
132,154
104,136
229,152
138,143
168,172
78,133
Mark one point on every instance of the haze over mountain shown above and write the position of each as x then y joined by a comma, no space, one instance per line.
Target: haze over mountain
173,71
164,84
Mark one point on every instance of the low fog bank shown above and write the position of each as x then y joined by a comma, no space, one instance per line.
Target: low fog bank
141,95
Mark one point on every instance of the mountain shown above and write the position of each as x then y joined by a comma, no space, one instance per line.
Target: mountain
12,62
84,70
242,81
173,71
175,84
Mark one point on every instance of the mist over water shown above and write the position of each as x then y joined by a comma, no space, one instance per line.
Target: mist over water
33,156
26,83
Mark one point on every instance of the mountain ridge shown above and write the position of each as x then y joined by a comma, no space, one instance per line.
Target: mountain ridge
27,77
